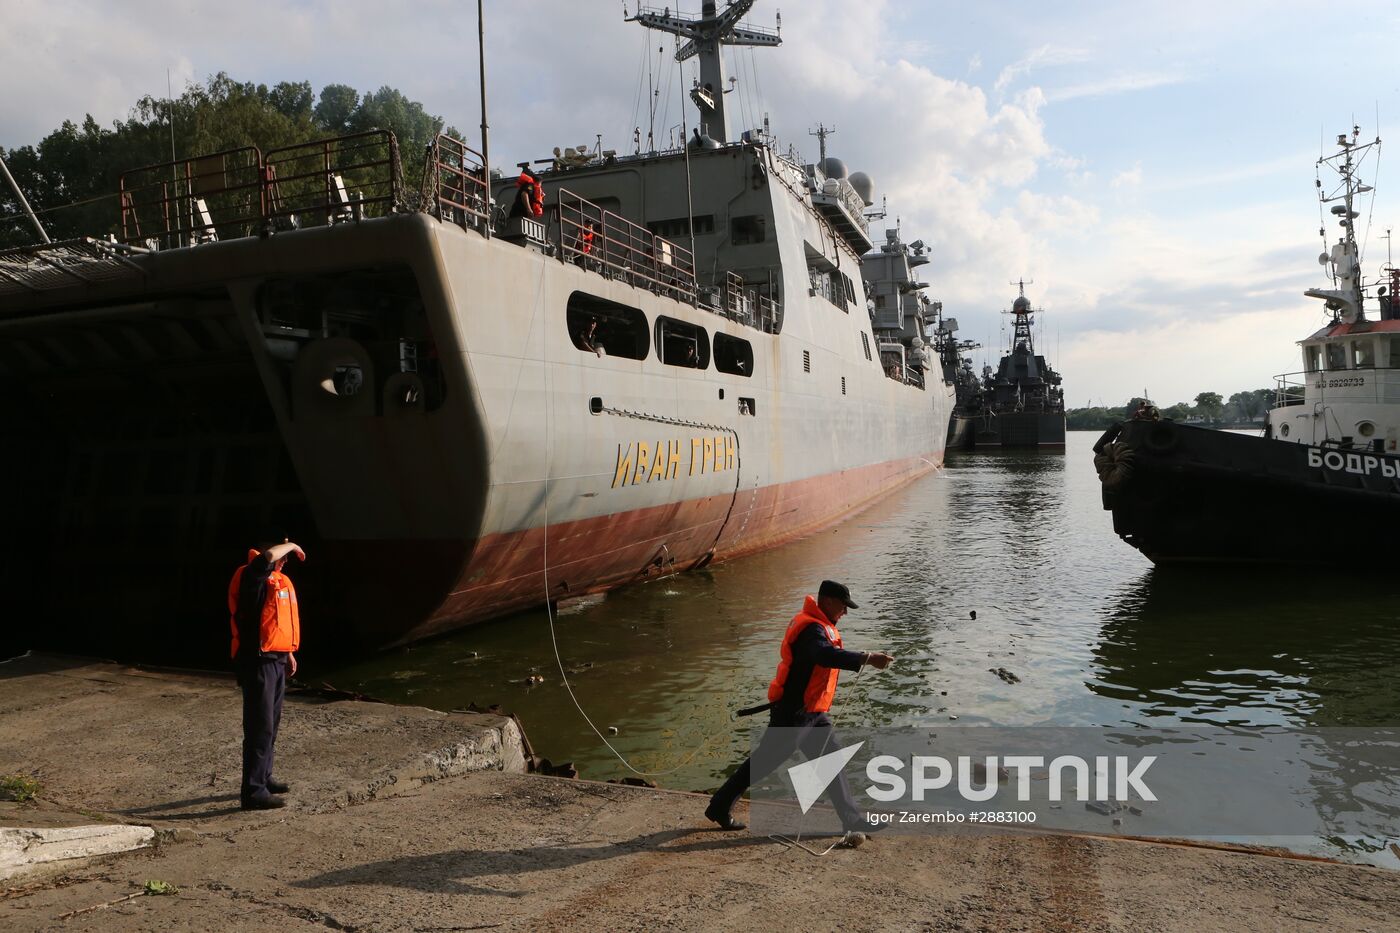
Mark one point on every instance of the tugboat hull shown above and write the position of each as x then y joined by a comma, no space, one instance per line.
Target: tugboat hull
1184,494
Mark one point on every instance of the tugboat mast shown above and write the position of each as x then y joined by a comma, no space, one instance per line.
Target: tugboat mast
1344,256
705,35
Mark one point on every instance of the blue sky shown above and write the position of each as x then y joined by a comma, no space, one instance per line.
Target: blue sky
1149,165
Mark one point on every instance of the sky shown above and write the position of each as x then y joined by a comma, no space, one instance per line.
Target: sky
1147,166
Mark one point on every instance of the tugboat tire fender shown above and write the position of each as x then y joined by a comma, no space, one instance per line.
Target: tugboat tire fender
1115,465
1161,438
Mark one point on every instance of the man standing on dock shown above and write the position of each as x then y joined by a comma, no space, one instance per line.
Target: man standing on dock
266,626
799,698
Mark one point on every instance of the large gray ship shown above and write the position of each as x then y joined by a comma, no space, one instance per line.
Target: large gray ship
665,359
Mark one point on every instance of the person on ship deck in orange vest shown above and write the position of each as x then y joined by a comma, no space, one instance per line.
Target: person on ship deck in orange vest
266,629
799,698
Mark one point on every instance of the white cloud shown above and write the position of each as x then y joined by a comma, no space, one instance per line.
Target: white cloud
1042,57
1116,84
1128,179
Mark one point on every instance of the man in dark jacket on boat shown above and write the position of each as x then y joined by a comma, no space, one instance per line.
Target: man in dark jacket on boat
799,698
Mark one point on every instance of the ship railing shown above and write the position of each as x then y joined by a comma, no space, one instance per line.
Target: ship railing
242,192
454,186
335,180
745,305
614,246
195,200
1336,386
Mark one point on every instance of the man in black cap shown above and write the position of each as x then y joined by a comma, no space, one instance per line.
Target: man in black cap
799,698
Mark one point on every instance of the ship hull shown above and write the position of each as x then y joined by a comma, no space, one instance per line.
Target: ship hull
536,472
1196,496
1021,430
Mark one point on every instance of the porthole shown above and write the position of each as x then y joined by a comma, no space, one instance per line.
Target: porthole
1283,430
1365,428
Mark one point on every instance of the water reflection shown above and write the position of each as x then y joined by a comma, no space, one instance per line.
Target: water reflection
1252,647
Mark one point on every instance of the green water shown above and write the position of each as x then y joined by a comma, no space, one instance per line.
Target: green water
1096,635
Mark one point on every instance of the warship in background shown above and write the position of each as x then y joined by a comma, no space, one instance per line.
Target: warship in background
660,361
1022,403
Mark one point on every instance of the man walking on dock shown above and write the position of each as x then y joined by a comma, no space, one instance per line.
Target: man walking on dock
799,698
266,630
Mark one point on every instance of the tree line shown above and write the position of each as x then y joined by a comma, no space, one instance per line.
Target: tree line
1242,409
71,176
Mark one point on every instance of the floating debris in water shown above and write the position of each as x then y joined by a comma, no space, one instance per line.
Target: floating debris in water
1004,674
973,614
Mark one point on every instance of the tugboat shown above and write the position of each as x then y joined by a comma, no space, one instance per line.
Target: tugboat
1022,404
1323,482
659,360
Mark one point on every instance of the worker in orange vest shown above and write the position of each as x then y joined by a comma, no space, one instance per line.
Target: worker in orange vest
811,659
266,629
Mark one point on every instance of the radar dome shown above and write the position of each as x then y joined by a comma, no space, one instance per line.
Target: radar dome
834,168
865,187
1021,304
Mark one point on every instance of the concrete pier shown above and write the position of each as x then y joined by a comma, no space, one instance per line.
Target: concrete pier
407,819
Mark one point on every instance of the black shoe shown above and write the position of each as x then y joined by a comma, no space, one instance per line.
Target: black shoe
724,818
264,803
276,787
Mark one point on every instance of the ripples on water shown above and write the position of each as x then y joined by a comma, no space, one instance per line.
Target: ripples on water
1096,635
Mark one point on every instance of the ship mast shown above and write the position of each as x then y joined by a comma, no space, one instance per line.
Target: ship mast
1021,328
705,36
1344,257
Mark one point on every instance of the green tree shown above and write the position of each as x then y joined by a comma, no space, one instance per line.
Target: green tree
1178,412
336,108
73,175
1210,405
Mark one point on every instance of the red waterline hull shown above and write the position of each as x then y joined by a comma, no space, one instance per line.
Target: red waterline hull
505,572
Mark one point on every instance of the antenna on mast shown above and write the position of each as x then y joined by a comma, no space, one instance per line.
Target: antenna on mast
822,132
705,35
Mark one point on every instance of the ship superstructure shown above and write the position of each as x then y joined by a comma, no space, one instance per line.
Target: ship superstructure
459,414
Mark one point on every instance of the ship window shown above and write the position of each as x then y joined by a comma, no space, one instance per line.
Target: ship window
1312,359
1336,357
733,355
680,343
678,228
751,228
596,324
1363,354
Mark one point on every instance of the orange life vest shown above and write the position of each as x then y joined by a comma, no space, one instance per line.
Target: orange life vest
821,686
279,625
587,241
536,192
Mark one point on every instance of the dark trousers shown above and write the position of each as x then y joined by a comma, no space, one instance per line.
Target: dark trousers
812,733
264,681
